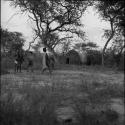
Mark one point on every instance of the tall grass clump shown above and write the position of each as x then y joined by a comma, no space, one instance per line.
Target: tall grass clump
29,105
93,107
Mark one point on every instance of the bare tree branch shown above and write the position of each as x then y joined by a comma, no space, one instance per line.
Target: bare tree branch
61,40
32,43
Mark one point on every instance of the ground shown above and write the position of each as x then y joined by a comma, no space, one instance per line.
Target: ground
89,95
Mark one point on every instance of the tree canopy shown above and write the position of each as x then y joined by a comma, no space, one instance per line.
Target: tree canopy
112,11
54,17
85,46
11,41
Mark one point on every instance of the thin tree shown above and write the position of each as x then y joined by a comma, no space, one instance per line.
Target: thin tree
11,41
112,11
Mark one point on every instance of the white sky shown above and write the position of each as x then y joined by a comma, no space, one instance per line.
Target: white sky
93,26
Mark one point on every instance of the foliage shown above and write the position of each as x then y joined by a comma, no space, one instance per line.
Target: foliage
66,46
122,63
11,41
93,57
37,47
85,46
3,71
112,11
114,58
52,16
118,44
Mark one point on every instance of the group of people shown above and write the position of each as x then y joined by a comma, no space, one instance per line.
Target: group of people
19,59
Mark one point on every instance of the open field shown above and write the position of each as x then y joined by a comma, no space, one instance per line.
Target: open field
76,96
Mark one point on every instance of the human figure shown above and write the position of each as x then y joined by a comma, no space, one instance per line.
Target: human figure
30,62
45,62
15,65
51,62
18,61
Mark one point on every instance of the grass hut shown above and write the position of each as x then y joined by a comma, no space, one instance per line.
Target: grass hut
72,57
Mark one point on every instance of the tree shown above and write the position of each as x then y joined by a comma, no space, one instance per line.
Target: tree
118,45
53,17
66,46
85,46
11,41
36,48
112,11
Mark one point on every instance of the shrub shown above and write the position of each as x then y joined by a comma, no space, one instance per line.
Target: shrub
93,57
6,64
121,64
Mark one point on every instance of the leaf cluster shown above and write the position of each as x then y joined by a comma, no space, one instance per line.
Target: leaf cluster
113,11
11,41
52,16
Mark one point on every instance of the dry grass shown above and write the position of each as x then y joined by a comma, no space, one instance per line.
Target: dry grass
32,98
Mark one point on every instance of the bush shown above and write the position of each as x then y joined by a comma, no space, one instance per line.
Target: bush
121,64
3,71
93,57
6,64
114,60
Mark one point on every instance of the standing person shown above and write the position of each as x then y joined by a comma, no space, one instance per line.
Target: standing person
30,62
16,65
18,60
45,61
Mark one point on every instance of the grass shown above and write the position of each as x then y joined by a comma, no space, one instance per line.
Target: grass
25,100
28,104
94,109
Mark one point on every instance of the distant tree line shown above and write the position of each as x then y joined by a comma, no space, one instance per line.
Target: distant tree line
114,55
67,14
11,42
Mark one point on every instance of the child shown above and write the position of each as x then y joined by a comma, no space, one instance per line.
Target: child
45,62
16,65
18,60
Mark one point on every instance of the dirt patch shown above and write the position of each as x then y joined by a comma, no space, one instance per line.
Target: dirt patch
117,105
66,113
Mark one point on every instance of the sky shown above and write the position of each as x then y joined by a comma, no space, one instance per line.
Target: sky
93,25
